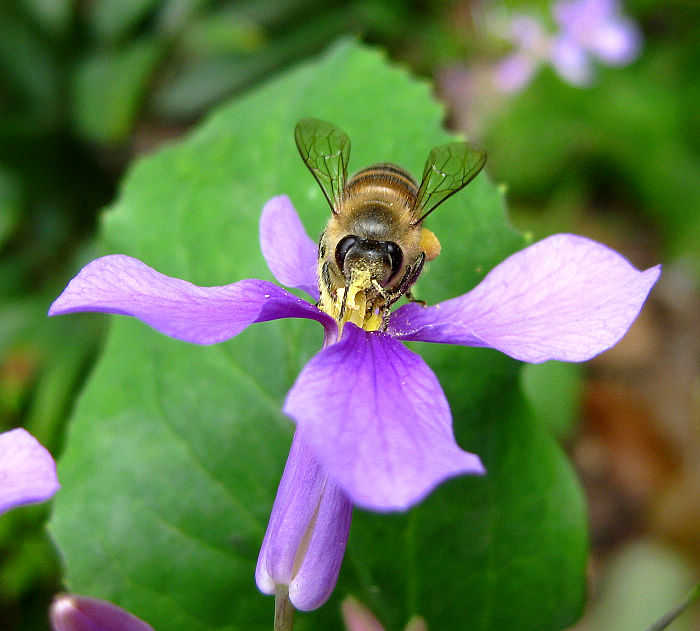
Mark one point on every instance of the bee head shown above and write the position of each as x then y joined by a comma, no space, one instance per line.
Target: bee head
382,259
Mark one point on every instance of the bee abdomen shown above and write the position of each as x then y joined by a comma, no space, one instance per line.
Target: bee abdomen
382,179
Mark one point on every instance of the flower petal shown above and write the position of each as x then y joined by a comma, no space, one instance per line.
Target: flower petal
357,617
571,61
617,43
565,297
307,534
377,420
202,315
297,497
71,612
27,470
528,34
290,254
315,581
599,27
514,72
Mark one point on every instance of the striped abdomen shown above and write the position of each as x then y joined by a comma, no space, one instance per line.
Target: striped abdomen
380,198
385,184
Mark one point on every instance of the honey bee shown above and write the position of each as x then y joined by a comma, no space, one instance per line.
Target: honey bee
374,246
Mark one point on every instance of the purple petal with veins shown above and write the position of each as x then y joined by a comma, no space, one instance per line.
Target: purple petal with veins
377,419
565,297
202,315
27,470
290,254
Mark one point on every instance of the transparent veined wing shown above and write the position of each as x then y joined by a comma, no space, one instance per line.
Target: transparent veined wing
325,150
449,168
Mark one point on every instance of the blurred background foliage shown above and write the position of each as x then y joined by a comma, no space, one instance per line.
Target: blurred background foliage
87,86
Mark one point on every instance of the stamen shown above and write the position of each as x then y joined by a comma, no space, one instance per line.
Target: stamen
352,303
343,302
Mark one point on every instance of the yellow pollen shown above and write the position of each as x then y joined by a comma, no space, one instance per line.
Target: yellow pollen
356,308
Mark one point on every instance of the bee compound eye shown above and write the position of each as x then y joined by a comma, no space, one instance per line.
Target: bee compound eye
342,249
396,256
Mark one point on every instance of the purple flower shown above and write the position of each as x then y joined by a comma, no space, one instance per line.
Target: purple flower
71,612
599,28
586,29
27,470
532,48
373,426
305,540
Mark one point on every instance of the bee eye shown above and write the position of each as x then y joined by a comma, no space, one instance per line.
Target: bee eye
343,248
396,256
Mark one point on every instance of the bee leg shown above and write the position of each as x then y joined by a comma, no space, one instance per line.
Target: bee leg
389,299
342,305
385,320
410,276
412,298
392,296
414,274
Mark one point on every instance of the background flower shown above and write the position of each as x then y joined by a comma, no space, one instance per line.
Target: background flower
586,29
357,617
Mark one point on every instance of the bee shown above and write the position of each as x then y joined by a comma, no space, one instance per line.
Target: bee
375,245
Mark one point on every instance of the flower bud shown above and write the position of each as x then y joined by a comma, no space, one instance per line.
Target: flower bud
307,533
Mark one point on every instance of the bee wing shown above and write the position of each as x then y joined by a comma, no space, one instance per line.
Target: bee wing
449,168
325,150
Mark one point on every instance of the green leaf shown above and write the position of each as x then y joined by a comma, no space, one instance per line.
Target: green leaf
11,194
53,15
203,79
31,86
221,33
175,451
108,90
553,389
113,19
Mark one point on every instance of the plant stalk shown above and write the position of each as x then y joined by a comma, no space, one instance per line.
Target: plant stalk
667,619
284,611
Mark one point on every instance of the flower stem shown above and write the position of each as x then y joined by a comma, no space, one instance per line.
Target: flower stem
284,612
664,621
